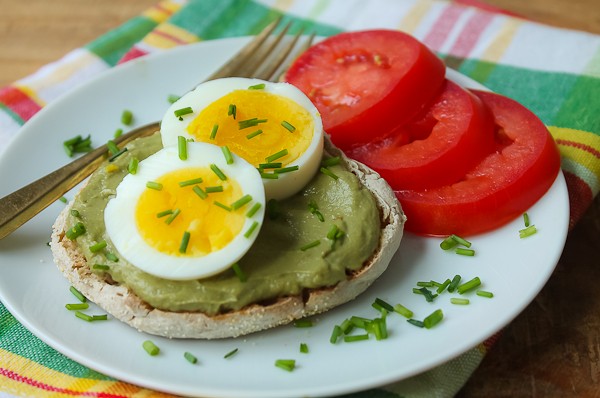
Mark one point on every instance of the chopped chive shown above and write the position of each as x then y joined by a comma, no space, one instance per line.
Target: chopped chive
193,181
133,165
328,172
257,87
102,317
183,111
461,241
425,284
244,124
384,304
303,323
276,155
213,132
198,191
222,206
101,267
253,210
347,326
286,364
116,155
239,273
526,219
271,165
483,293
150,347
85,317
359,322
251,229
157,186
402,310
526,232
448,243
126,117
357,337
415,322
63,199
75,213
254,134
231,353
111,257
175,213
464,252
190,357
118,133
380,328
455,281
97,246
164,213
241,202
269,176
332,232
459,301
185,240
172,98
112,147
314,209
218,172
227,154
443,286
433,319
213,189
472,284
182,147
335,334
332,161
286,169
77,306
76,230
304,348
429,297
77,144
232,111
310,245
288,126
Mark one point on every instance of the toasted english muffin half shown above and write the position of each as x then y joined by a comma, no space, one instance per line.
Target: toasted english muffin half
126,306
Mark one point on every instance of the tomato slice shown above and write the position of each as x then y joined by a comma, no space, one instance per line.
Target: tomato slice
438,148
500,188
365,83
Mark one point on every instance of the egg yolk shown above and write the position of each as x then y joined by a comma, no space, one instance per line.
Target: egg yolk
163,216
279,124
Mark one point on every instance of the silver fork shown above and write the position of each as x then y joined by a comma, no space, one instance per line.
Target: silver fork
264,57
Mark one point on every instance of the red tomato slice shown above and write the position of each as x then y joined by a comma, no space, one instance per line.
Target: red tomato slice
365,83
502,187
439,148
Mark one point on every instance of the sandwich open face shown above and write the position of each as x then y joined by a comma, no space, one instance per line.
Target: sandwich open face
211,236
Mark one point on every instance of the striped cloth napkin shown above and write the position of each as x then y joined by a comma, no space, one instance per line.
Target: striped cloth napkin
554,72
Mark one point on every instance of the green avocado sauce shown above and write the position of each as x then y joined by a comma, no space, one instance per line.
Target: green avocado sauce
275,266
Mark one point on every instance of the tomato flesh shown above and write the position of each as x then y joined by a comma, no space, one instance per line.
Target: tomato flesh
437,148
500,188
365,83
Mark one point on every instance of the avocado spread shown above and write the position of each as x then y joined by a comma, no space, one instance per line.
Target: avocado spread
274,267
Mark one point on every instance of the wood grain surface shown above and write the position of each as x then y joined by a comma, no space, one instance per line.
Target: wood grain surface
552,349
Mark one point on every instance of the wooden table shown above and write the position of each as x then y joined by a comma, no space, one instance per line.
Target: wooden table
551,350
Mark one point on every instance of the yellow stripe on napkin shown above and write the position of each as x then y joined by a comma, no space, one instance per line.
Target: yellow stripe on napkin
167,35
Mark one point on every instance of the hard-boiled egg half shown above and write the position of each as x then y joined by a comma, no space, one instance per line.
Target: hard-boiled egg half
189,212
274,126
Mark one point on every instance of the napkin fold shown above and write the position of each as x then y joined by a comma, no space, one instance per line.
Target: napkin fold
554,72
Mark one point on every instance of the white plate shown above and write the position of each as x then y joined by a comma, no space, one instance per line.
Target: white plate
35,292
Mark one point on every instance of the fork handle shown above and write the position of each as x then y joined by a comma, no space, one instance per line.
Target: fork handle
23,204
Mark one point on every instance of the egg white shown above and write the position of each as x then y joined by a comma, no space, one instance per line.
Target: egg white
121,226
204,94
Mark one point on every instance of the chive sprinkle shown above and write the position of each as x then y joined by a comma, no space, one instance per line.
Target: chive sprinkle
97,246
193,181
332,161
213,189
164,213
384,304
102,317
83,316
433,319
288,126
415,322
335,334
77,306
483,293
461,241
218,172
254,134
198,191
257,87
332,232
356,337
133,165
526,219
276,155
310,245
251,229
244,124
239,273
472,284
231,353
454,283
314,209
183,111
448,243
157,186
175,213
190,357
172,98
111,257
126,117
402,310
150,347
253,210
101,267
304,348
182,147
77,294
526,232
185,240
286,169
241,202
76,230
328,172
213,132
75,213
118,133
268,176
222,206
286,364
272,165
459,301
232,111
116,155
112,147
429,297
443,286
303,323
227,154
464,252
63,199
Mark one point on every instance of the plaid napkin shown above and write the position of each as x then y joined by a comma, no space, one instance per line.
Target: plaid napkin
554,72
